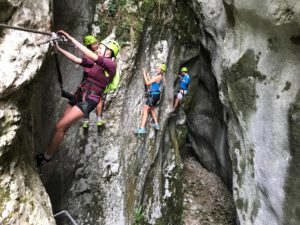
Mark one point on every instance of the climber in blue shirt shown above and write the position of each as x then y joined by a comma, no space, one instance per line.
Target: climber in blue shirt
183,86
153,97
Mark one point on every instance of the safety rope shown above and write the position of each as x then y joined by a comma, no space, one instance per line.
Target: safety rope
25,29
64,93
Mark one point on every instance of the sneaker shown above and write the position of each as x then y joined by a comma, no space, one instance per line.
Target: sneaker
155,126
85,124
100,122
41,160
140,131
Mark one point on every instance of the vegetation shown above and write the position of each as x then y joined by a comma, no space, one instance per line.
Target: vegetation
128,16
139,216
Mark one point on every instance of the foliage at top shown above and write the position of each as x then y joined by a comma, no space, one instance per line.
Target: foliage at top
128,16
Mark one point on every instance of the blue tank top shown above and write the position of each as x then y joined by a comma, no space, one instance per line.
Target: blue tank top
155,88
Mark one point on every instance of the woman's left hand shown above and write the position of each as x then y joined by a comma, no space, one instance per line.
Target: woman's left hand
61,32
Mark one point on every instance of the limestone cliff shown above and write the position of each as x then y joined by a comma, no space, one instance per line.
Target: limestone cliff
23,199
240,117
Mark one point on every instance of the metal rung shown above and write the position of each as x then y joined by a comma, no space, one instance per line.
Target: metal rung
67,214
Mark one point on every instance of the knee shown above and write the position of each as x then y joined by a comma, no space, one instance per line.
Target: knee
146,108
179,96
60,127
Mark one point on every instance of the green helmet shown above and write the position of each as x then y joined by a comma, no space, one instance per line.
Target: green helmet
163,67
89,39
112,45
183,69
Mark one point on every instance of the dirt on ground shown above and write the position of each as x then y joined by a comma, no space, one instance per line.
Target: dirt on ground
207,201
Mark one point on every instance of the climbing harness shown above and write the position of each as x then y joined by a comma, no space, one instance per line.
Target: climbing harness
146,93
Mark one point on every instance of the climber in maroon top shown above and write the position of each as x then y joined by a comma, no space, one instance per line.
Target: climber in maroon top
88,94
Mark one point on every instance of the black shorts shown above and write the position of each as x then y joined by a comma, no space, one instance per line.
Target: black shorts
86,106
152,100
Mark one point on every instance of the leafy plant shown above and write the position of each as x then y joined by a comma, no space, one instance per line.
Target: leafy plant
138,216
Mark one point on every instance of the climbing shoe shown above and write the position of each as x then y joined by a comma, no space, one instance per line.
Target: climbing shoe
155,126
85,124
41,160
140,131
100,122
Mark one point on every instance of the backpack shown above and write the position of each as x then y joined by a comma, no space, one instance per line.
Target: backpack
114,84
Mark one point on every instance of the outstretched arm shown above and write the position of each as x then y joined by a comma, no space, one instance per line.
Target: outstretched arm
69,55
81,47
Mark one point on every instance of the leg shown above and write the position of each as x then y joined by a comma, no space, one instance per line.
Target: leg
145,116
99,108
176,102
67,110
153,113
62,125
178,98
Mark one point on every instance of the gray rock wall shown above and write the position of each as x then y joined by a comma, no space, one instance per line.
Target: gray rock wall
75,18
255,60
23,199
241,116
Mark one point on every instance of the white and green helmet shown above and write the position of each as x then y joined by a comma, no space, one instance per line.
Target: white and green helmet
113,46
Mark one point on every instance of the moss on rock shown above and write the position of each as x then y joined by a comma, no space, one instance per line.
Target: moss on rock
239,84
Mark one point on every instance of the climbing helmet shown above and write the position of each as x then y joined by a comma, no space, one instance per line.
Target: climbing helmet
113,46
163,67
183,69
89,39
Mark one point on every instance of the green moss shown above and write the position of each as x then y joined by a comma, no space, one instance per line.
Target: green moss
181,133
287,86
129,23
239,84
230,14
255,208
251,162
234,156
242,204
4,197
186,24
172,212
239,203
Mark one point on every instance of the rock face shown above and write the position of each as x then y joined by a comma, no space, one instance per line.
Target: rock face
240,117
255,60
23,199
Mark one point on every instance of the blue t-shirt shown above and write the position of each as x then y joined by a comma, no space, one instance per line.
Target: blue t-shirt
184,82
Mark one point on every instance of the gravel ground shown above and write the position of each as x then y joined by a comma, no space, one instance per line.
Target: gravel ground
207,200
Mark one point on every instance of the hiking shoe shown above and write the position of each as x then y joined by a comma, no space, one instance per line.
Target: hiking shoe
140,131
41,160
85,124
100,122
155,126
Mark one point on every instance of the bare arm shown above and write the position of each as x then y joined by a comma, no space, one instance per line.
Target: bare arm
81,47
153,80
69,55
146,76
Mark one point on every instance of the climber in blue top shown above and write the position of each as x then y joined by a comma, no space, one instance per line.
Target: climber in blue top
183,86
153,97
